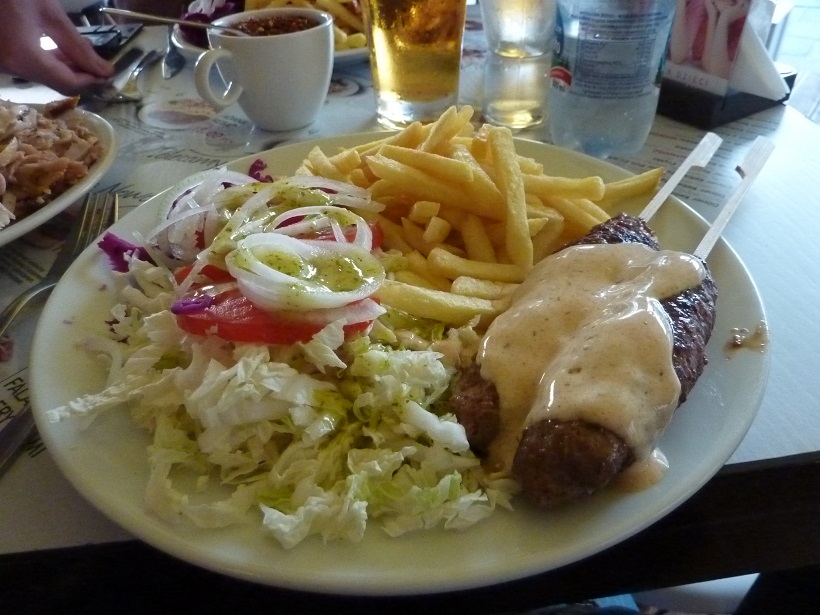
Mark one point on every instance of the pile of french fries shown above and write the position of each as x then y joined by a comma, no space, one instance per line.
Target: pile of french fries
348,27
468,213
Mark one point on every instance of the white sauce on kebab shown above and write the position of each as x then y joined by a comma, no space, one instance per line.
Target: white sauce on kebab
586,338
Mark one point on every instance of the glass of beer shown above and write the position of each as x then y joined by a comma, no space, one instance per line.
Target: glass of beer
415,57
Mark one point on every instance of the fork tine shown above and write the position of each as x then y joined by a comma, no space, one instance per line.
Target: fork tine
102,212
99,212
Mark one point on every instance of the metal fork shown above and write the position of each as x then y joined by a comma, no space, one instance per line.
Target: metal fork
130,91
99,211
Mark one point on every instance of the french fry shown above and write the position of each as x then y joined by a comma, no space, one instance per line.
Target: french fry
536,224
422,211
393,235
415,236
451,123
436,231
341,14
511,184
529,166
434,164
482,185
418,264
645,183
358,177
445,307
483,289
411,137
339,38
470,215
347,161
452,266
592,209
573,215
423,186
357,40
545,186
479,147
548,239
322,165
406,276
477,242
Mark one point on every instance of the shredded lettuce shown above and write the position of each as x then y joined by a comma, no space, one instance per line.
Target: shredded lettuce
317,439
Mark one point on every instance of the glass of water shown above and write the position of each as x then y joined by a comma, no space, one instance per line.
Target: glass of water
519,28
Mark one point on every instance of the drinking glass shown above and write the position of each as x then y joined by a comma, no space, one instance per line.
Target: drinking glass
415,57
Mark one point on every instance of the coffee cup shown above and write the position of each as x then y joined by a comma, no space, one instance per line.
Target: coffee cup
279,74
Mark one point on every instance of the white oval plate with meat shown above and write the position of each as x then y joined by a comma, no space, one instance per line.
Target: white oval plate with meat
105,133
107,463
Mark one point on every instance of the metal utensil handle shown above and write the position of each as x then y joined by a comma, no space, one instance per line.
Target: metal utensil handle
86,229
13,436
130,87
169,20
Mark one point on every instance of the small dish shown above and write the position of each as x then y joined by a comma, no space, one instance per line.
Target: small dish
105,133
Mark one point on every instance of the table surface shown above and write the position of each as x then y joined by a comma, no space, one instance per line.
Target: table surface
756,514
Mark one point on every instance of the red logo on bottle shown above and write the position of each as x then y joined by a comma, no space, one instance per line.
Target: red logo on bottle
561,77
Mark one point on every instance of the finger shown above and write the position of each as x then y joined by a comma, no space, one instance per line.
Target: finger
77,49
47,69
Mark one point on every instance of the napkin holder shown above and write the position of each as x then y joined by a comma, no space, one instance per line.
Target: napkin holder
706,110
694,96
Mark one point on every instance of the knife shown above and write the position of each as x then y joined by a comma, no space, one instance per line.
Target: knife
89,97
126,59
173,61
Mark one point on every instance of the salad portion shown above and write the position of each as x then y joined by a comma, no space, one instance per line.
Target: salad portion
247,341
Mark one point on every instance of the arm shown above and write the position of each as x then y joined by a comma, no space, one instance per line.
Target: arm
69,69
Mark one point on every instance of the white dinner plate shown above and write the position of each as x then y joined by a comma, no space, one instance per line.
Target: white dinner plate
344,57
105,133
106,461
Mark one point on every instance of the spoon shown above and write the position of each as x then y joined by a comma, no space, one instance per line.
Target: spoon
168,20
174,61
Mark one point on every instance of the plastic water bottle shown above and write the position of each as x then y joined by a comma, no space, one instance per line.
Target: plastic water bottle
607,65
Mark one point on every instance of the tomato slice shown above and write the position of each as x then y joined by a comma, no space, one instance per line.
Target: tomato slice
212,272
232,317
349,233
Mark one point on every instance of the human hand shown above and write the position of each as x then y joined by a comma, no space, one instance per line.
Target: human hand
72,67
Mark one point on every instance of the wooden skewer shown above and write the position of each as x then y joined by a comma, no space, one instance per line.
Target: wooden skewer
748,169
698,157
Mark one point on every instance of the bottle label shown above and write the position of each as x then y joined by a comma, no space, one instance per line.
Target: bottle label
610,50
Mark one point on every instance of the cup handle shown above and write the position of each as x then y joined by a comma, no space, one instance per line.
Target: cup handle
202,78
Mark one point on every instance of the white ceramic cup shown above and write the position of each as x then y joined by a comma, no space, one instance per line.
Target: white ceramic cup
280,81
